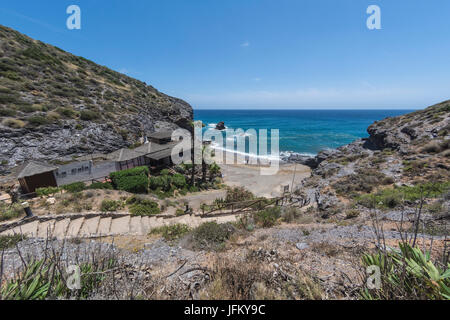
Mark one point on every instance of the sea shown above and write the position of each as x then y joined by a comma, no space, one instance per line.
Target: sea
304,132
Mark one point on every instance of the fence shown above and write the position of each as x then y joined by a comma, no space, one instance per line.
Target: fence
221,208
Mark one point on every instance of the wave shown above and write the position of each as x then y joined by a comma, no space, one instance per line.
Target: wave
267,157
213,125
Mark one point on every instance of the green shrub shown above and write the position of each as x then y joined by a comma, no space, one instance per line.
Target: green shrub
290,214
26,108
5,112
111,205
8,212
37,121
211,235
407,273
75,187
130,172
268,217
393,197
164,172
161,182
7,242
172,232
67,112
179,181
11,75
133,180
42,279
9,98
101,185
193,189
40,192
88,115
362,181
143,207
352,213
238,194
133,184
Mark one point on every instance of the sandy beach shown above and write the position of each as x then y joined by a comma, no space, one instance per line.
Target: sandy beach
251,177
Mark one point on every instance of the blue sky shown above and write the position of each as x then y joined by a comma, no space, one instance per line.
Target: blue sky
259,53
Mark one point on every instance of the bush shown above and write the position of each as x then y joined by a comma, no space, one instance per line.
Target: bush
41,192
164,172
362,181
238,194
211,235
143,207
111,205
179,181
353,213
133,180
160,182
172,232
290,214
133,184
37,121
5,112
8,212
101,185
431,147
268,217
407,273
129,172
393,197
67,112
7,242
88,115
44,279
75,187
13,123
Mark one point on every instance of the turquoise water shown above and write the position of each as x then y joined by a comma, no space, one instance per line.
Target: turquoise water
302,131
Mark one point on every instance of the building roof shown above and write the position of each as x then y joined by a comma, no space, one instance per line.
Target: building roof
123,154
161,135
160,154
151,147
93,156
32,168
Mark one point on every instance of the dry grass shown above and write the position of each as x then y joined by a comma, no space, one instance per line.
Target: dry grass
253,280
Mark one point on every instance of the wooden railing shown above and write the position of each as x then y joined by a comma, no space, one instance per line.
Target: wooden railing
253,205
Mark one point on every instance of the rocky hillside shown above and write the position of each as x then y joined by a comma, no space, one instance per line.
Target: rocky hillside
402,155
56,106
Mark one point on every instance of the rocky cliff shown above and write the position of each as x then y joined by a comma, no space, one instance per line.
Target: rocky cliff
411,149
55,106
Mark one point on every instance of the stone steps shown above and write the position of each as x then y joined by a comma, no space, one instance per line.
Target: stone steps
104,225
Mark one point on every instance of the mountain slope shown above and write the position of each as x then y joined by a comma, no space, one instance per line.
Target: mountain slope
55,105
412,149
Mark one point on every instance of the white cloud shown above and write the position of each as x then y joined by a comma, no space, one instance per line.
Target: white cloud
245,44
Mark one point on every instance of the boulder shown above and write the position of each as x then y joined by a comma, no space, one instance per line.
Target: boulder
220,126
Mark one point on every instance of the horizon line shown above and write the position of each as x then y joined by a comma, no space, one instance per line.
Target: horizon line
306,109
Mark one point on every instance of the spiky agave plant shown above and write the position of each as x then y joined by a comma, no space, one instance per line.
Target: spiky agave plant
408,273
39,280
42,279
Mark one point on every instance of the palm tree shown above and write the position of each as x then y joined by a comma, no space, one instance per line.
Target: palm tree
204,166
192,154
